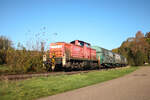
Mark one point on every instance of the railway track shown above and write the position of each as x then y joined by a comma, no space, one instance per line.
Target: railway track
26,76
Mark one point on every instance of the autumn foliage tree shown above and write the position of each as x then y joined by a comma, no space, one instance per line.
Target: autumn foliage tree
147,36
136,49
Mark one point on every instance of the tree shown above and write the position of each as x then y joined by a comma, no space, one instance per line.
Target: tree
136,49
147,35
139,35
139,58
115,50
5,44
140,45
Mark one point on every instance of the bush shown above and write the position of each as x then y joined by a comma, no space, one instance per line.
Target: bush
5,44
34,63
22,61
2,57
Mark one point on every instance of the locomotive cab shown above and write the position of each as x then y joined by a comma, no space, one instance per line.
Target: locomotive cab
81,43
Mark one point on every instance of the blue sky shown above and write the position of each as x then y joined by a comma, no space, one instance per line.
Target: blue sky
106,23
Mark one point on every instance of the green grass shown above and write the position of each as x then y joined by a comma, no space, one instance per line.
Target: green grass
4,69
44,86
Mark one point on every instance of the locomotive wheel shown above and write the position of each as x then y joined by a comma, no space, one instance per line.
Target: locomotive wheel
68,69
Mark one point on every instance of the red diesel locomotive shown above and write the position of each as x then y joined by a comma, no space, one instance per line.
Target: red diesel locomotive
74,55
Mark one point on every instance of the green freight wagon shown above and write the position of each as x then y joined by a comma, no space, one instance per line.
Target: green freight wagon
106,56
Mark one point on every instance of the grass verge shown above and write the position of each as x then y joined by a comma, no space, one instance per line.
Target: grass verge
44,86
4,69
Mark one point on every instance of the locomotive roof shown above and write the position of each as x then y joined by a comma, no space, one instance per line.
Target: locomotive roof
80,41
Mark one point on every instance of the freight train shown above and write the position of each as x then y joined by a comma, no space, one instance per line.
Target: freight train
80,55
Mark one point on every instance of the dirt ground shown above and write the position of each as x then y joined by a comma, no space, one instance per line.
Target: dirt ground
134,86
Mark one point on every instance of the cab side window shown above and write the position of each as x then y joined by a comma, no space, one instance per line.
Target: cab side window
81,44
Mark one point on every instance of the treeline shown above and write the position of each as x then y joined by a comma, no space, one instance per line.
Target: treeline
20,60
136,49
